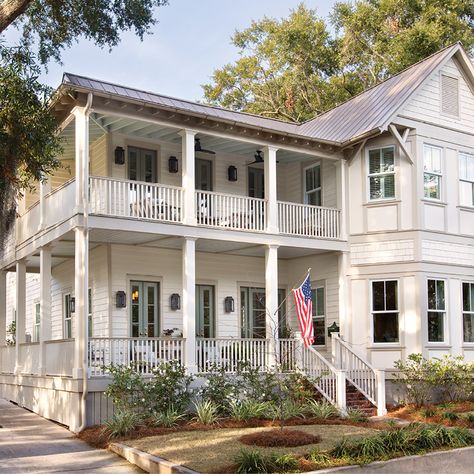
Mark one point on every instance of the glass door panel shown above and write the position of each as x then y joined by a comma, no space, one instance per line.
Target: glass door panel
205,313
256,183
144,317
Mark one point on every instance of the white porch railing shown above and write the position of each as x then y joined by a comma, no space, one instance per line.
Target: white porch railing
143,353
229,353
126,198
60,357
230,211
308,221
29,354
288,354
368,380
7,359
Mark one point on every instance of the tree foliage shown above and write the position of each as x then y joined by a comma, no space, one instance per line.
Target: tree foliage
295,68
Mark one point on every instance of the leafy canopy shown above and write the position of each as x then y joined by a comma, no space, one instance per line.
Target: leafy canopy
295,68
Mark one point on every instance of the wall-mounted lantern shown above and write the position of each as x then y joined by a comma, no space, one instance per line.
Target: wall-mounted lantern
120,299
333,328
232,173
229,304
175,301
119,156
173,164
72,305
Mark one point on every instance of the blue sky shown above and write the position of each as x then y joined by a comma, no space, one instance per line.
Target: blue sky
191,39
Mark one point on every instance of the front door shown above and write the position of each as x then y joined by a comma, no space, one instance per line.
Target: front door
256,183
141,164
205,313
144,309
203,174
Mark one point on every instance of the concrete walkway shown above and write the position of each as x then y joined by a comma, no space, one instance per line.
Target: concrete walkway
29,443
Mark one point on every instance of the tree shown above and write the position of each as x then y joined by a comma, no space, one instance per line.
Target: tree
294,68
29,144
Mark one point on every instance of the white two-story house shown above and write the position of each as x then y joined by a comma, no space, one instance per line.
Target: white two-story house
176,231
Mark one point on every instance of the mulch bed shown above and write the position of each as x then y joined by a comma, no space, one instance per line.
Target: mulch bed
97,437
280,438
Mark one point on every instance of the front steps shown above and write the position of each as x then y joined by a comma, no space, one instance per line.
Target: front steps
356,400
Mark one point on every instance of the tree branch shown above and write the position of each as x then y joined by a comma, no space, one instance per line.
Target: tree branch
10,10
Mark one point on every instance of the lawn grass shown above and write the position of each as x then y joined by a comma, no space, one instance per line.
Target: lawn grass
215,450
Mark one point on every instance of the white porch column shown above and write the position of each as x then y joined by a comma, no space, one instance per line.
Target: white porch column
20,311
187,179
271,300
45,188
3,307
82,158
343,295
45,305
342,197
189,303
81,281
270,183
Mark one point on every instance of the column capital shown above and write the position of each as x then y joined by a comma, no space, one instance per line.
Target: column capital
270,148
272,246
187,132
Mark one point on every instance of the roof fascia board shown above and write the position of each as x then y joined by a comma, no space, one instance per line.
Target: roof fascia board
401,142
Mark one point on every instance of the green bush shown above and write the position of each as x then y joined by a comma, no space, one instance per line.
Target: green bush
282,463
122,423
355,415
219,388
450,416
428,412
321,409
470,417
285,410
207,412
250,461
127,388
247,409
168,418
254,383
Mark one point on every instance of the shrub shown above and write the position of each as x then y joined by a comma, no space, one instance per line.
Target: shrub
454,377
254,383
450,416
356,416
283,463
168,388
428,412
126,390
250,461
247,409
319,457
470,417
168,418
321,409
122,423
219,388
207,412
285,410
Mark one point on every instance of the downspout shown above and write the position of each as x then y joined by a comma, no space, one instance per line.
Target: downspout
85,388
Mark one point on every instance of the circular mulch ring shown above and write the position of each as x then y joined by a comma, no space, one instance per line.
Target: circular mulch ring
280,438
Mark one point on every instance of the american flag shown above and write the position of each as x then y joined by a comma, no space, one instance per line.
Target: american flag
304,310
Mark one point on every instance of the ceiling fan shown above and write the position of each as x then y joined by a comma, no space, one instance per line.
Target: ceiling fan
258,158
197,147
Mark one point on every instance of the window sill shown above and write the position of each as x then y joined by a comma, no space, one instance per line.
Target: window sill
438,345
381,202
435,202
468,345
466,208
381,346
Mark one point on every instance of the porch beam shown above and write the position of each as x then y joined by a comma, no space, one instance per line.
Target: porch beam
3,307
271,301
188,171
20,311
342,197
402,142
189,303
270,179
45,305
45,188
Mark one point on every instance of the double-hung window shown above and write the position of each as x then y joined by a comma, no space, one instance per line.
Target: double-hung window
382,173
385,311
468,311
89,312
436,310
36,325
466,179
67,313
312,186
432,174
319,316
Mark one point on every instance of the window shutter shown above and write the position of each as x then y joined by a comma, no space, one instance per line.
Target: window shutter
449,95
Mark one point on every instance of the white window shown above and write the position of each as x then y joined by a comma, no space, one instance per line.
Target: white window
89,311
319,316
436,310
312,185
432,176
468,311
381,173
449,95
466,179
36,325
67,315
385,311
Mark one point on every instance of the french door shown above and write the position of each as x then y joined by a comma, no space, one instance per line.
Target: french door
141,165
205,311
144,308
253,311
256,183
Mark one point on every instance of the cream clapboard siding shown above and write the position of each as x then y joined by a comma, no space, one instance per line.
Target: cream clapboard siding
426,104
98,156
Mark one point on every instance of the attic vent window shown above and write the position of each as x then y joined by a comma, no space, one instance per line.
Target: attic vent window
449,95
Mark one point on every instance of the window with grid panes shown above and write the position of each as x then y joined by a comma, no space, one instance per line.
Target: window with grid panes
381,175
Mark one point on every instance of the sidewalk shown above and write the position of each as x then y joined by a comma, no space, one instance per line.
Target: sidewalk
29,443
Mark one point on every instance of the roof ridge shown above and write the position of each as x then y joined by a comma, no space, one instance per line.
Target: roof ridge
443,50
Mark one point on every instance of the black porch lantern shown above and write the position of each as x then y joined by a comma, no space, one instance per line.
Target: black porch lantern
232,173
229,304
120,299
72,305
175,301
333,328
119,156
173,164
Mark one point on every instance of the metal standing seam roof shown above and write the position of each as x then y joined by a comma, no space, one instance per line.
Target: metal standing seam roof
364,113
